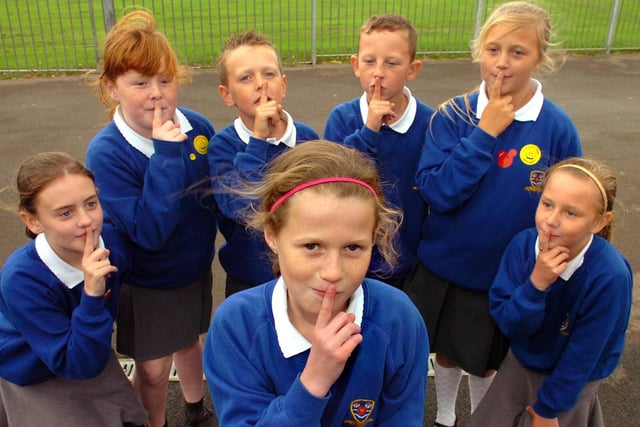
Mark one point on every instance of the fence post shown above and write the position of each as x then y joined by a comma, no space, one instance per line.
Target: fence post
613,24
109,15
314,22
94,34
478,20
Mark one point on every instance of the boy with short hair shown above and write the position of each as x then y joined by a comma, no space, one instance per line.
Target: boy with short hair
388,123
251,80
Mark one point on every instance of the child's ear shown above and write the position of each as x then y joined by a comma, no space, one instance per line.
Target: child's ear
414,68
270,238
284,85
354,64
31,222
110,88
602,222
226,96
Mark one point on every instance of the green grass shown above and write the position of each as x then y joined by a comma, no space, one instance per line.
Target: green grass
57,35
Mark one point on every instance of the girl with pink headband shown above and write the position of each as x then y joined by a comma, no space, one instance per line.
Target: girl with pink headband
562,295
321,344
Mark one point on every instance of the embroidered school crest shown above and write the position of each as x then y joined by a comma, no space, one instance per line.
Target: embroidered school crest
361,410
535,181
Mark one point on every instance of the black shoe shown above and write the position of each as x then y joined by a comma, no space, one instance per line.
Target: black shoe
198,415
455,424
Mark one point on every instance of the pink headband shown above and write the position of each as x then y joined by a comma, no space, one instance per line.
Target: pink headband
301,187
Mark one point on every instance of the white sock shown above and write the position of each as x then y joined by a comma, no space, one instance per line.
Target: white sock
478,386
447,383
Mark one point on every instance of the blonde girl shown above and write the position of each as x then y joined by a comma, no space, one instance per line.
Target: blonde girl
562,295
480,172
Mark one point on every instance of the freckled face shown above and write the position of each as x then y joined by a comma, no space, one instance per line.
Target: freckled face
137,94
569,211
325,240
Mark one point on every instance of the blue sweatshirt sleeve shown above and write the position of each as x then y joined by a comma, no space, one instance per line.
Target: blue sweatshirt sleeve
241,391
344,125
598,328
231,163
142,201
516,305
74,347
454,161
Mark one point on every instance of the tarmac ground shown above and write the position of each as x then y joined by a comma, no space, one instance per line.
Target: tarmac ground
600,93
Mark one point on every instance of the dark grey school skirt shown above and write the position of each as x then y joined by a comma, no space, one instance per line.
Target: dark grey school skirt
458,322
154,323
107,400
515,387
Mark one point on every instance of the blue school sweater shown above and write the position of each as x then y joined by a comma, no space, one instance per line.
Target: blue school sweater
244,255
160,198
396,150
482,190
252,383
48,329
574,332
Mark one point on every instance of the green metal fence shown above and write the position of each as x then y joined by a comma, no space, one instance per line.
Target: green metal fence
65,35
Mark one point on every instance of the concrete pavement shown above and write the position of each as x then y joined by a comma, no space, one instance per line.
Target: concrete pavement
600,93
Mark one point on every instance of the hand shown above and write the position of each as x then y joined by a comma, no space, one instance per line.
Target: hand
499,113
95,265
268,114
380,111
333,342
540,421
165,131
550,264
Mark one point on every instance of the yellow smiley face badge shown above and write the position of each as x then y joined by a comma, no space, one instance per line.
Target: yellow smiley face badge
201,144
530,154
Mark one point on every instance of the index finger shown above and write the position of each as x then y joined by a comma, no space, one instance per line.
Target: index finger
157,115
497,87
543,241
376,90
89,242
326,310
263,93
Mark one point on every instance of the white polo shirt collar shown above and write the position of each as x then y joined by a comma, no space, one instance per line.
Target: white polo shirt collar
290,340
66,273
527,113
139,142
288,138
572,265
405,121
